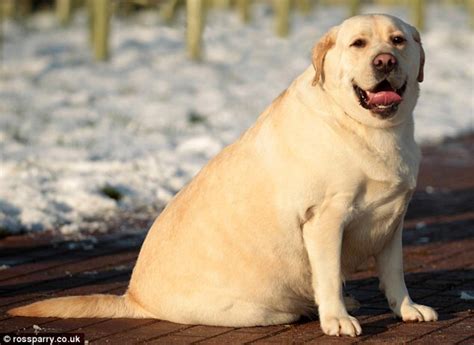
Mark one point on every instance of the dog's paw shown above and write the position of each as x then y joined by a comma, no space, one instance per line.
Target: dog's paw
417,312
340,325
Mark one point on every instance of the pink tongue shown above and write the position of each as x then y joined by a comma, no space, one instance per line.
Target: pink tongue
383,98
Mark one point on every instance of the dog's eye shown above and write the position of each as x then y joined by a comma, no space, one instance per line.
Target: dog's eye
398,40
358,43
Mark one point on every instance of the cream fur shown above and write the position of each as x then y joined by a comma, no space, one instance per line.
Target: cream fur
271,226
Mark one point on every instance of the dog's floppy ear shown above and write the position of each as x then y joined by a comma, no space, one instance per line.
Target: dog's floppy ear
319,53
416,37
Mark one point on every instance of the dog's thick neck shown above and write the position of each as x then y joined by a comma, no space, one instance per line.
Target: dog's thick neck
316,97
388,143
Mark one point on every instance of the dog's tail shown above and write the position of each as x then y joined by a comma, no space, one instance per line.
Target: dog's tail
106,306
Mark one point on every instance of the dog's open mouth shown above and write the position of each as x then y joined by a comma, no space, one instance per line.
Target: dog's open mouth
382,100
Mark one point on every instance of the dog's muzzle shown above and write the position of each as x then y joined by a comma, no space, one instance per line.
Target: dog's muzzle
383,99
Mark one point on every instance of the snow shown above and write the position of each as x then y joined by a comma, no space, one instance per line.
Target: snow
82,142
467,295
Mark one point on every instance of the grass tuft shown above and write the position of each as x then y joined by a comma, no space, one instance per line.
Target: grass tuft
195,118
111,192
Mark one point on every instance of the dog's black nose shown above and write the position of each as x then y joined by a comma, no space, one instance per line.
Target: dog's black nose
385,62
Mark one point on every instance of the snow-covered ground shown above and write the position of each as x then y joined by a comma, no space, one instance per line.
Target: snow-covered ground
82,142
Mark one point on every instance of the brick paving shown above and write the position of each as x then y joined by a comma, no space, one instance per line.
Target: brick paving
439,266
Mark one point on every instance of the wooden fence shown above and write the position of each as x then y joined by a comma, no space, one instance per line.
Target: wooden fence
100,12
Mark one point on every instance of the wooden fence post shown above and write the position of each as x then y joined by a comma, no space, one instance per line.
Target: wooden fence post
7,8
470,8
304,6
418,13
354,7
282,11
23,8
194,28
64,11
168,10
2,14
223,4
243,6
99,11
90,22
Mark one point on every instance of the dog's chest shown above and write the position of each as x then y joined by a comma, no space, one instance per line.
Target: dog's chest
378,213
382,203
384,193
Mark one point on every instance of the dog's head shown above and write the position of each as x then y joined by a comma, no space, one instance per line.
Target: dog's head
371,65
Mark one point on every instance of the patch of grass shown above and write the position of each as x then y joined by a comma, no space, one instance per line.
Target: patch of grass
195,118
19,137
111,192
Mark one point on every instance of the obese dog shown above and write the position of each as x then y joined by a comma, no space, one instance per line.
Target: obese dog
270,227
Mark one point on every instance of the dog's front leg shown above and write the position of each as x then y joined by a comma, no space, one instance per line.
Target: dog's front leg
323,240
392,282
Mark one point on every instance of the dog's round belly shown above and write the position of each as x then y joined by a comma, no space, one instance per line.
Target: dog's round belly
224,277
221,253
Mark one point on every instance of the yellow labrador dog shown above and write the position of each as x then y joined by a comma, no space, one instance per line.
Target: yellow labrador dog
270,227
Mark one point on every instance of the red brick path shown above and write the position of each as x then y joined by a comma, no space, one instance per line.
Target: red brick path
439,265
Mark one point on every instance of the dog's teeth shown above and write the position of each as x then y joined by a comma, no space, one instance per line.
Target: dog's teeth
381,106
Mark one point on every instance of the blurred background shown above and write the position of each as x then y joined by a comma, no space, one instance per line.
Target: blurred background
107,108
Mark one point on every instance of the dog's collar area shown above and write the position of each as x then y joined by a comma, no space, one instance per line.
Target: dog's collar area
383,99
